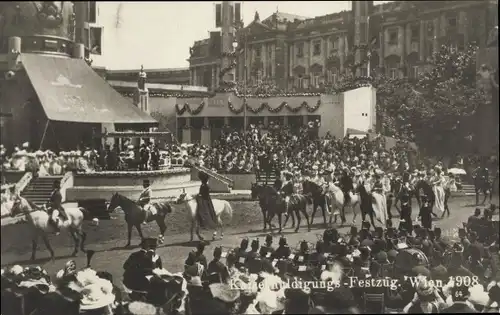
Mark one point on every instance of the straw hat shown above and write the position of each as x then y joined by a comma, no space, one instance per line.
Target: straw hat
26,145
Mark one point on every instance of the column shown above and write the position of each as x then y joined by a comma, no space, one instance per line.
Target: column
195,78
421,43
273,61
205,132
304,120
285,120
286,66
381,54
263,58
342,50
436,35
213,85
291,58
186,132
266,122
326,53
402,48
310,56
226,121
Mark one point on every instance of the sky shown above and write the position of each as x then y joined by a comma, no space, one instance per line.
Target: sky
159,34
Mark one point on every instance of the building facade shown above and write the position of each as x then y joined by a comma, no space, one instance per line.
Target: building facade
307,54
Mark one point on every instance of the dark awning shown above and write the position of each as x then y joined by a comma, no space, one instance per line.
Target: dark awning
69,90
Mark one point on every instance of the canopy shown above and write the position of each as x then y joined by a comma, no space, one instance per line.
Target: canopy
69,90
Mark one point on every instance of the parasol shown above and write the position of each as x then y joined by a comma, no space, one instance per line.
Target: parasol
457,171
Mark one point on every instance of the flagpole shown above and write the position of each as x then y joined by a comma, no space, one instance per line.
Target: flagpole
369,47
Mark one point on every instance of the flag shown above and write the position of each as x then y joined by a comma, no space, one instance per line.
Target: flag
373,41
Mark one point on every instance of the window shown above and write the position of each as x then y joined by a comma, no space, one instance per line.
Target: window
393,73
452,22
317,47
259,76
415,72
315,81
270,52
393,37
334,43
332,76
300,82
430,29
300,50
415,33
95,40
92,12
257,52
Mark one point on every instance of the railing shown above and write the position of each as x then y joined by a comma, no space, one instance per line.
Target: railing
211,173
24,182
66,182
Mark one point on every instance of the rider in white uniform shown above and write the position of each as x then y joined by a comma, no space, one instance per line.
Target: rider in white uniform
145,199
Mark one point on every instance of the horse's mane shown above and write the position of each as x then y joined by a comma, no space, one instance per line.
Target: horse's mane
32,204
125,199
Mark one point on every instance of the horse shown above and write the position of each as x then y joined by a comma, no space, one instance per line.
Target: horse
135,215
38,220
220,207
319,199
338,202
272,203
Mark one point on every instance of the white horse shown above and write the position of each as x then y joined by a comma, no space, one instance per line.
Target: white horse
220,207
337,197
38,220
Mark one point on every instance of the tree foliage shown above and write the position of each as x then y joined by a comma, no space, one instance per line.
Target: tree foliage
436,109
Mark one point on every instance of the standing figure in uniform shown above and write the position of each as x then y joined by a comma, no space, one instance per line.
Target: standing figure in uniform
145,199
425,213
207,214
278,183
55,203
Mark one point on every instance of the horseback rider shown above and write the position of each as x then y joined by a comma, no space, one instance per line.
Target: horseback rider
346,185
278,183
287,189
55,203
145,199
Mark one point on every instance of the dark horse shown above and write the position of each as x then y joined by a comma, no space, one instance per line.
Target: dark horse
272,203
134,215
319,199
366,203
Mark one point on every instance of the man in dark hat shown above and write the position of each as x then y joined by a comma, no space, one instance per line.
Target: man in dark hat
141,264
241,253
283,251
55,203
425,213
217,269
267,250
473,222
199,256
252,261
347,185
145,199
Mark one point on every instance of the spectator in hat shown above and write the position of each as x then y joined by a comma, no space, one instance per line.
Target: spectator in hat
283,251
473,222
241,253
216,268
460,295
252,261
139,265
425,213
267,249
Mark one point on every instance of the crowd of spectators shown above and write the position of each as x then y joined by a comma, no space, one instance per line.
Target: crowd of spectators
254,278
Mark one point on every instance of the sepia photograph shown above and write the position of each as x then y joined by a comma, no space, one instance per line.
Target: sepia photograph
249,157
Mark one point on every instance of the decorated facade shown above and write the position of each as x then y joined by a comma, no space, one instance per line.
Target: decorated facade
300,54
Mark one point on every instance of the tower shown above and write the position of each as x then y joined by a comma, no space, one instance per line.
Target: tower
228,15
361,11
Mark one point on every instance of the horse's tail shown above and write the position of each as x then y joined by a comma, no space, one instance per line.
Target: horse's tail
84,211
228,210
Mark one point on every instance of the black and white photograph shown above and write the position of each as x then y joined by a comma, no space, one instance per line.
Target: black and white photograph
249,157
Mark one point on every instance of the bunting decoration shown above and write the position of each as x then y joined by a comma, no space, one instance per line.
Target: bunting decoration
265,105
187,107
